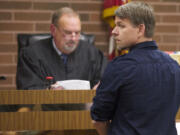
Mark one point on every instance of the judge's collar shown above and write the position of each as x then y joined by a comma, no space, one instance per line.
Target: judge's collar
57,50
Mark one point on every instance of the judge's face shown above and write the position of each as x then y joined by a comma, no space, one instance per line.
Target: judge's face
125,34
66,35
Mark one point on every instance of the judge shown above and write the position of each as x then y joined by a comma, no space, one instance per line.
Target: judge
63,56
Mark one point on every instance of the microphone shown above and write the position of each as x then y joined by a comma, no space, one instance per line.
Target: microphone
49,81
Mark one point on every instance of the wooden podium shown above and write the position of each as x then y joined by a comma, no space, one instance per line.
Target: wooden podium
46,120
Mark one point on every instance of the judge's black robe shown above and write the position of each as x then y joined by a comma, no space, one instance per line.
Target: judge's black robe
40,60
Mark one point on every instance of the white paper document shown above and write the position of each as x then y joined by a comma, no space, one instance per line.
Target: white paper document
178,127
74,84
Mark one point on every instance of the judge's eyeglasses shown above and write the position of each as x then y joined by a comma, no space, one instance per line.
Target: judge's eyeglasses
69,33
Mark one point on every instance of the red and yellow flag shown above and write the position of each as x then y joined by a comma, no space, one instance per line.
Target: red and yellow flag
109,7
108,15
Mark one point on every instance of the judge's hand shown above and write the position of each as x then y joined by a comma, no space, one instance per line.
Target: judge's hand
95,86
56,87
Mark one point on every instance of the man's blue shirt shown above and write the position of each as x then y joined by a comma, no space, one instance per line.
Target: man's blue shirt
139,93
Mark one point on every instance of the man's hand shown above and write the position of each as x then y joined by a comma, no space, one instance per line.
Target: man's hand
101,126
56,87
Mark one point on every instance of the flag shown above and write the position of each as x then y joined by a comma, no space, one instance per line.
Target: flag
108,15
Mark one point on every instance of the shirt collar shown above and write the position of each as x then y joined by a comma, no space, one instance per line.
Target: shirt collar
56,49
146,44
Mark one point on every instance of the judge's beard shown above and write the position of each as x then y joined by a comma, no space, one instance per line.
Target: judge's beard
70,48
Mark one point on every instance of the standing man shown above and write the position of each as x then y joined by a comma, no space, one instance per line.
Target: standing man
139,93
63,56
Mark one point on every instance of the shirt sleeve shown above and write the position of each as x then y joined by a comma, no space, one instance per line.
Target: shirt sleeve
105,102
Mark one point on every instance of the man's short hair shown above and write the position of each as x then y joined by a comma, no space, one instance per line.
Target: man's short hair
138,13
63,11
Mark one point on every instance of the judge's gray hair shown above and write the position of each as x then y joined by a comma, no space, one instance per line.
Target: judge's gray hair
138,13
63,11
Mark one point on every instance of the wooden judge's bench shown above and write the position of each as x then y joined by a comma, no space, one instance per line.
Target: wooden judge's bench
63,122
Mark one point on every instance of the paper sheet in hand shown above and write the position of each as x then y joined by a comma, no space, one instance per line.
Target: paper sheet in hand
178,127
74,84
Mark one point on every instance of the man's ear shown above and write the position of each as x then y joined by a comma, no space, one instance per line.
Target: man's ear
52,29
141,32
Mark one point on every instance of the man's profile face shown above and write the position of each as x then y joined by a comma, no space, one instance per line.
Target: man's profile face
125,34
67,33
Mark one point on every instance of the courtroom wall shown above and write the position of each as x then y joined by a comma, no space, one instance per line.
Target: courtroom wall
33,16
